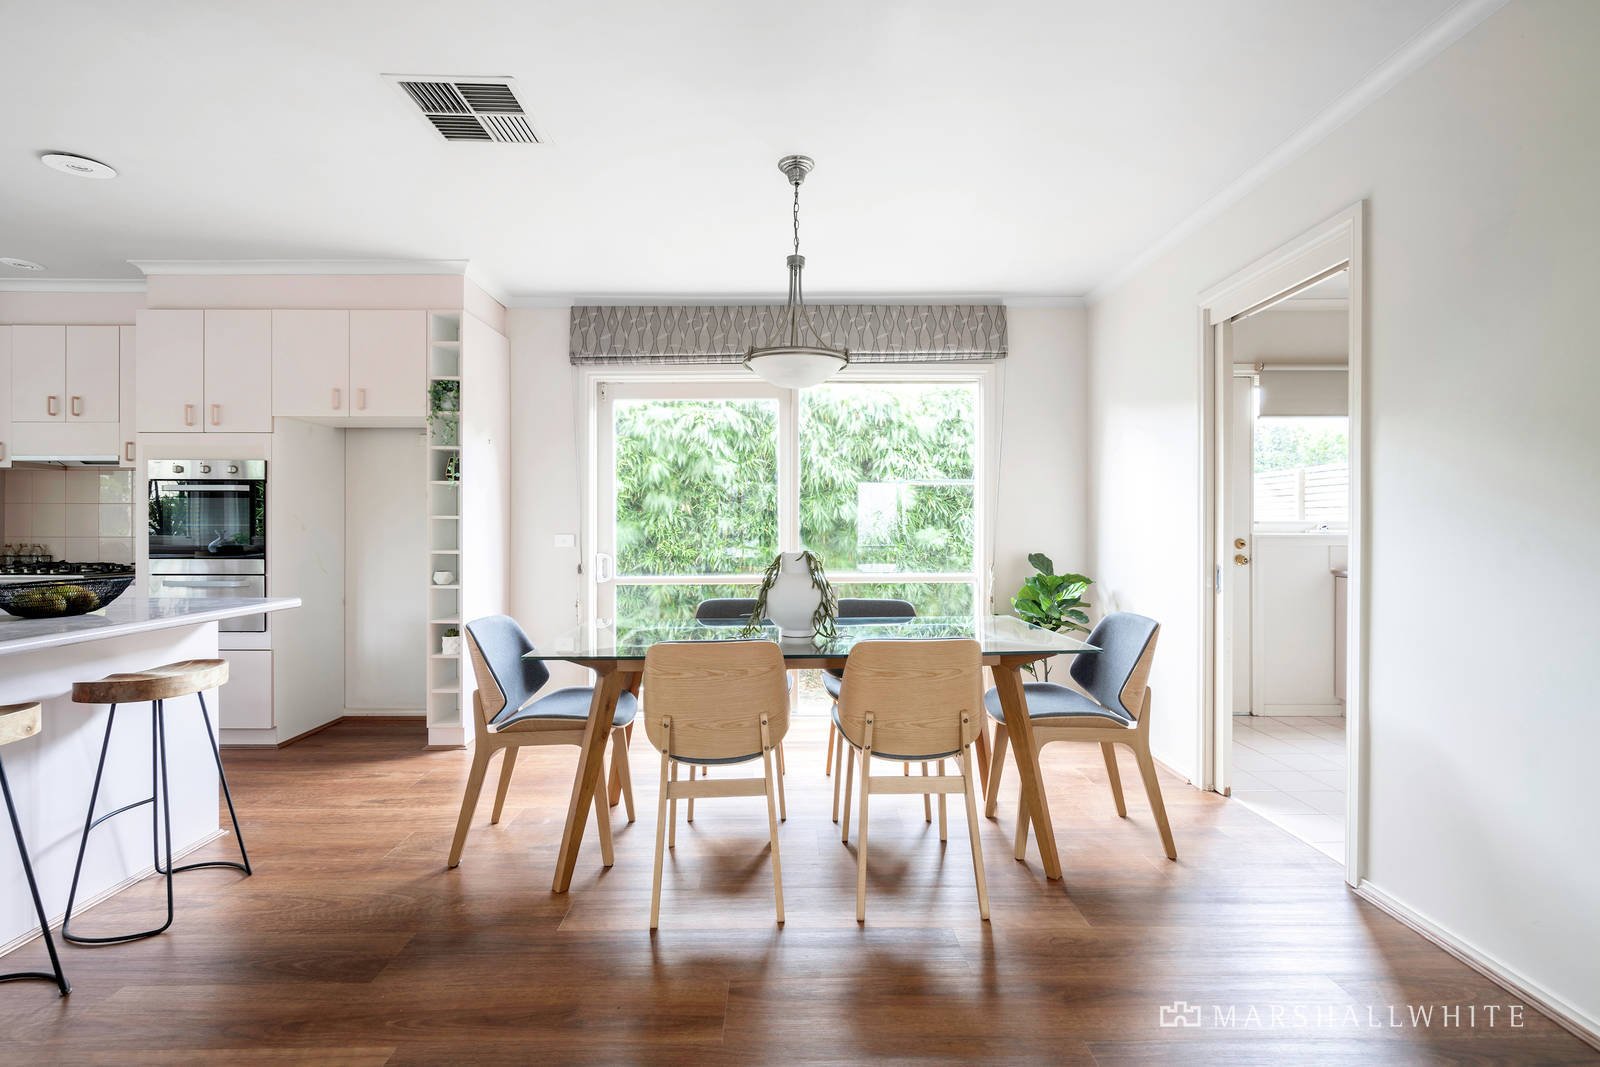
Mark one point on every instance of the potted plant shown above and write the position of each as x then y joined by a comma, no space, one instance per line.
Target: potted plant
797,596
1052,601
450,643
444,410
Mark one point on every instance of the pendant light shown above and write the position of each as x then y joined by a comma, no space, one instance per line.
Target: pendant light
798,357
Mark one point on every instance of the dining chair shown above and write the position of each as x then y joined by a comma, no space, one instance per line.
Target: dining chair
833,677
1113,709
914,702
714,703
736,611
508,714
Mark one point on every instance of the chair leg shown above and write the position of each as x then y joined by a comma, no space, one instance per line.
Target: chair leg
662,820
1020,850
507,761
602,822
693,770
827,766
972,834
772,831
838,774
861,838
58,977
944,833
227,795
1152,789
1109,751
621,768
469,801
672,813
997,764
849,758
927,803
782,770
783,804
982,755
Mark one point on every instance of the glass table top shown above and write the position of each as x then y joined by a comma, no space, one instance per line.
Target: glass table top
997,635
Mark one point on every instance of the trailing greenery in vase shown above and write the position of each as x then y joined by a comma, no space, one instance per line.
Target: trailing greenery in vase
1052,601
827,609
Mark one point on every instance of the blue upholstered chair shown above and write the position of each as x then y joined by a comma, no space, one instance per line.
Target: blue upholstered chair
1112,709
508,713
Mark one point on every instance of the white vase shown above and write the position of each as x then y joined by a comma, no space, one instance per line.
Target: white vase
450,646
792,601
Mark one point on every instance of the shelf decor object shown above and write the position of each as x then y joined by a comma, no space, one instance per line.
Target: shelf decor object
798,357
797,596
54,598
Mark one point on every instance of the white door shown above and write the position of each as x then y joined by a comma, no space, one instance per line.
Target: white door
310,363
94,373
38,373
169,372
238,371
388,363
1241,541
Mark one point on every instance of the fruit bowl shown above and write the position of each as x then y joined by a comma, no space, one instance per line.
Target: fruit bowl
53,598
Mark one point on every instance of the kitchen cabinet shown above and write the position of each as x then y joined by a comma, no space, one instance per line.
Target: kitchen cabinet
127,430
238,371
245,703
94,373
169,372
311,363
388,363
65,373
5,396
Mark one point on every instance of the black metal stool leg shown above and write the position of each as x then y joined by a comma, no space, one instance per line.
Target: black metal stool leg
59,977
222,776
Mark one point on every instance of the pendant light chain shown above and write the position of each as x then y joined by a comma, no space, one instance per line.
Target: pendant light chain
796,218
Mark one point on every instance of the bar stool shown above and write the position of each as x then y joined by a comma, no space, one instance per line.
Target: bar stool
157,685
18,721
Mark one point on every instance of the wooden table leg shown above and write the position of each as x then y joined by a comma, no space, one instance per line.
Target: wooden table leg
1008,680
602,709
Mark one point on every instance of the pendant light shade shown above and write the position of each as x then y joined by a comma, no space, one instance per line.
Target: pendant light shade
798,357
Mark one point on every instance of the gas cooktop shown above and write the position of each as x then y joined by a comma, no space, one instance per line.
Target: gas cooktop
63,567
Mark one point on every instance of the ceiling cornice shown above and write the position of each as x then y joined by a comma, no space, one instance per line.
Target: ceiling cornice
301,266
561,300
1432,39
72,285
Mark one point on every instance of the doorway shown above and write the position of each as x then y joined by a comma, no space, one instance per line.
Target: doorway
1282,538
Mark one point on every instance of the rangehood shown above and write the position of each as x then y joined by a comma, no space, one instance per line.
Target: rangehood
64,461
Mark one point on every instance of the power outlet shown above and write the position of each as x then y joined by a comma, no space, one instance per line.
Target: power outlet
566,540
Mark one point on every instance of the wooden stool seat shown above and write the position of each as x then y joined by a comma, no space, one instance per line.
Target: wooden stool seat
158,683
18,721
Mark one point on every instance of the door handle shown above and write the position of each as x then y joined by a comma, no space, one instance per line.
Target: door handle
127,451
188,414
361,400
338,398
52,405
1241,560
1238,542
216,414
2,451
77,407
604,569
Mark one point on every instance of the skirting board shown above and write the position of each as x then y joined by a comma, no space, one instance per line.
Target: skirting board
132,880
1570,1017
1301,709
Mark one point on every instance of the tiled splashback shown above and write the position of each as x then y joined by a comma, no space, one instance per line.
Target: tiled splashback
77,514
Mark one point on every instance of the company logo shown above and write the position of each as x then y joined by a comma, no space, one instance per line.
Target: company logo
1180,1013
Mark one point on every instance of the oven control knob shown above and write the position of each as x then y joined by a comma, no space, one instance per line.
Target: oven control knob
233,468
205,468
177,468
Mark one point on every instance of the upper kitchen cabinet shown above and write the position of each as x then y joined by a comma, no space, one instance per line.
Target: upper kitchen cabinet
311,364
238,371
5,396
65,373
388,363
169,372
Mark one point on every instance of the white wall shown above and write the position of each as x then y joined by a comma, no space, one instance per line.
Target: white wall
1480,171
386,546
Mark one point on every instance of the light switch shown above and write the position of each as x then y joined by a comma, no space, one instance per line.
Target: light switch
566,541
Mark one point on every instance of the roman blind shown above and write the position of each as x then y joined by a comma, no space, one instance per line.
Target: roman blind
874,333
1305,392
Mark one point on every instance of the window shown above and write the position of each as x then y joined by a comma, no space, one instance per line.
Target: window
1302,471
700,484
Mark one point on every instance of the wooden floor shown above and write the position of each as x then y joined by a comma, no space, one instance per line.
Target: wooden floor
353,944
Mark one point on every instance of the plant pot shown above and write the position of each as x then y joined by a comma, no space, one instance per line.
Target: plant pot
792,601
450,646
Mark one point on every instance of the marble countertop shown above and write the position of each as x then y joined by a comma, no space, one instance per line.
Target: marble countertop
129,615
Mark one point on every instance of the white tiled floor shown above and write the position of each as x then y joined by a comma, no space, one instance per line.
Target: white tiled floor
1290,769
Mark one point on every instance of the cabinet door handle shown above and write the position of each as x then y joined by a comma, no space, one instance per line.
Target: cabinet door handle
216,414
2,451
52,405
338,398
77,407
127,452
361,399
188,414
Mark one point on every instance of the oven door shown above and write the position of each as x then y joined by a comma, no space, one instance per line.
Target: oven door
213,580
210,520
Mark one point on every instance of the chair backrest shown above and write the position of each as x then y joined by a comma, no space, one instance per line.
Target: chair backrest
855,607
917,692
497,644
714,693
725,610
1119,673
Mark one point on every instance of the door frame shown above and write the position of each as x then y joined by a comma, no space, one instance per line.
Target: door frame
1333,245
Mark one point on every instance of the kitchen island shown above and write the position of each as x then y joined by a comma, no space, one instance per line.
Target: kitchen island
51,774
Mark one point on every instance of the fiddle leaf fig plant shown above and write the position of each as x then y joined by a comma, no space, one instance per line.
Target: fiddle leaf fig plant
1053,601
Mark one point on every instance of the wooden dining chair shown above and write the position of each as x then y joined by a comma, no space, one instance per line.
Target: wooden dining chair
714,703
915,702
1113,709
736,611
833,677
508,714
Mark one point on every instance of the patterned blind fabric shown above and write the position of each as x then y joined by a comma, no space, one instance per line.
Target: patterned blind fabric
874,333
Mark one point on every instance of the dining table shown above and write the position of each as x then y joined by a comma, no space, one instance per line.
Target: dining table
616,654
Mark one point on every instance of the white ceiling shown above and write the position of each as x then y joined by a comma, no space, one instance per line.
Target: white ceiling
999,149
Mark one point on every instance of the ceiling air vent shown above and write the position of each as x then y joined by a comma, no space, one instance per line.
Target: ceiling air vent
470,109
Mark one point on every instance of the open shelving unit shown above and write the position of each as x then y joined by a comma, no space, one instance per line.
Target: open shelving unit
445,670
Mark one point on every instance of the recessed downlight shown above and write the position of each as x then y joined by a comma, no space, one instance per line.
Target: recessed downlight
81,166
20,264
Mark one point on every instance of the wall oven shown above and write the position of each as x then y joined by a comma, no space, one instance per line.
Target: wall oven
208,532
